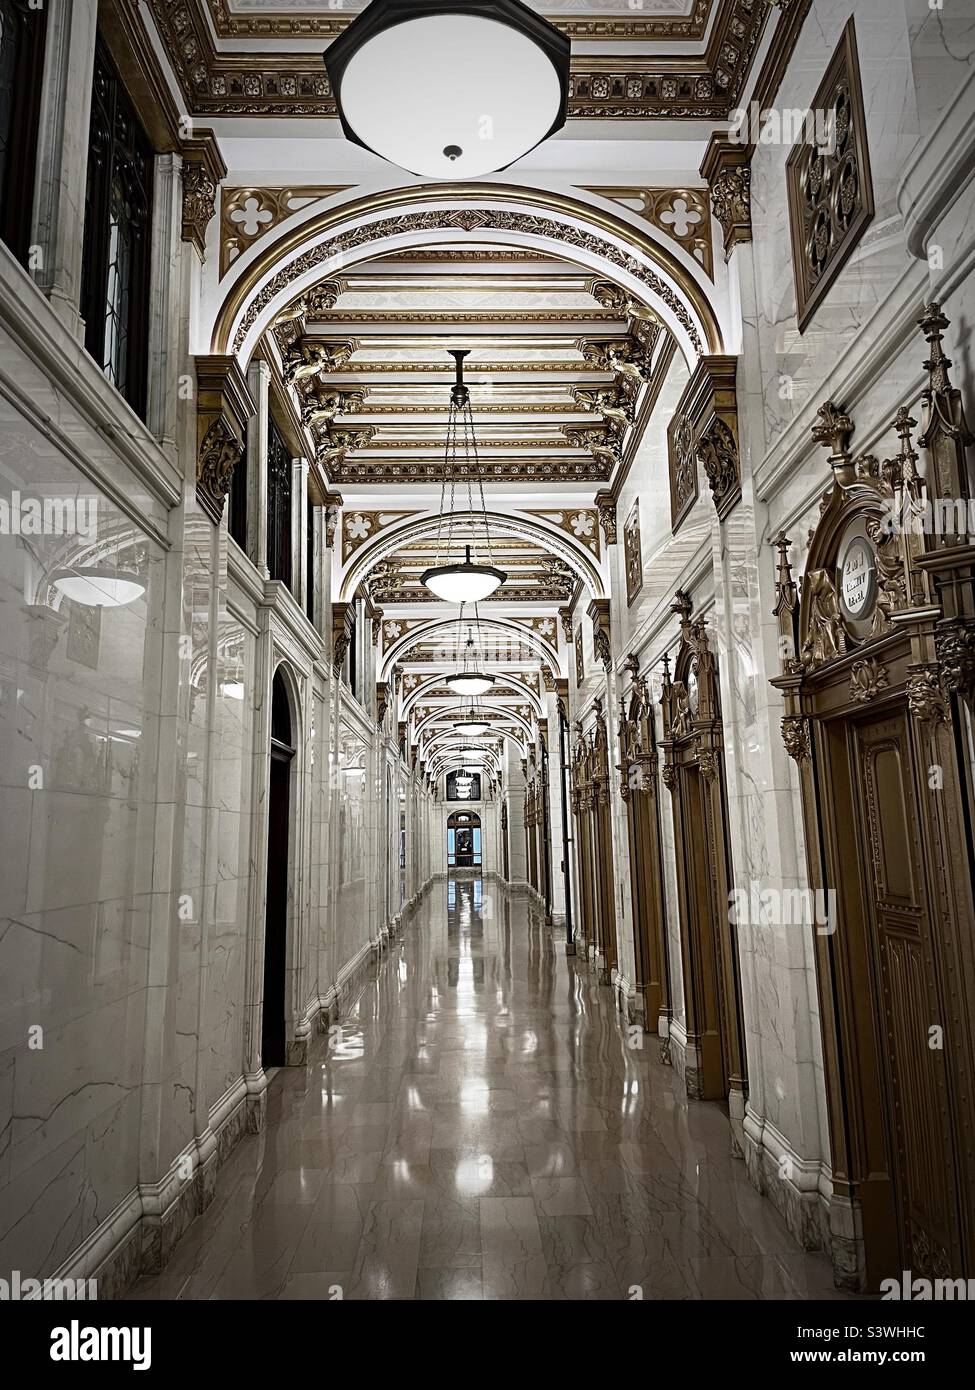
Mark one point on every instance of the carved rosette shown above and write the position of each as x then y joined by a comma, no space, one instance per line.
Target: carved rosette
203,170
729,179
224,405
795,736
867,679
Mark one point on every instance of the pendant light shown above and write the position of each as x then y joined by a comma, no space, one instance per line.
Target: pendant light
450,90
469,680
471,580
472,721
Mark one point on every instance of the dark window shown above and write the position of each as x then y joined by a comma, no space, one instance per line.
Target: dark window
118,219
455,794
21,70
278,505
237,502
354,651
310,574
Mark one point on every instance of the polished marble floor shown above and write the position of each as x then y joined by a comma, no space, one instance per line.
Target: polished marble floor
479,1129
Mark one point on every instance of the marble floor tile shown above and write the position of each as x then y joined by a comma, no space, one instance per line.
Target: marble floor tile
483,1137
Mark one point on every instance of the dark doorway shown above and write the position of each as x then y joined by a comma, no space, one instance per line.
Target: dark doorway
273,1048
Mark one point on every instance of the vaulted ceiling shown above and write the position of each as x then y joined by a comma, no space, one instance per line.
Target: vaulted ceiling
555,368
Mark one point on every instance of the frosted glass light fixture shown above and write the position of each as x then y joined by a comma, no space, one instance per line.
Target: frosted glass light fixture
99,586
450,90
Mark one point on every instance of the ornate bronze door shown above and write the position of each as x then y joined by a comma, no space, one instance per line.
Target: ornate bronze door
879,682
907,993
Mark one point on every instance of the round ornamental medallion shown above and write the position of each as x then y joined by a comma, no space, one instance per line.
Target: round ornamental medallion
858,580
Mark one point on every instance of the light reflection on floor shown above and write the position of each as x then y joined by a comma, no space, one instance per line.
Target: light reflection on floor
479,1128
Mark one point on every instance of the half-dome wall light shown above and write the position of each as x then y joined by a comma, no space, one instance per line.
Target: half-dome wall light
450,90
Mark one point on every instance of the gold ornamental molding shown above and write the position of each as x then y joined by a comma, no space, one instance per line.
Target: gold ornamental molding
550,218
247,214
683,214
223,407
683,86
275,22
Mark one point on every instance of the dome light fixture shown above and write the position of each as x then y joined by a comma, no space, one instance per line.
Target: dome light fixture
99,586
450,89
471,580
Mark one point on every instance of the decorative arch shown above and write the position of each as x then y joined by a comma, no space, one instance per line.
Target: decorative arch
532,639
446,713
384,543
432,215
419,694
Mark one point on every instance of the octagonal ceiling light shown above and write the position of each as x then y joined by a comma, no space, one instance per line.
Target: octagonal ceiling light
450,90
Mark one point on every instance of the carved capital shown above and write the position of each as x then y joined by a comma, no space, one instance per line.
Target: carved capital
606,506
333,512
599,612
707,761
342,622
383,697
705,427
224,405
955,646
729,178
669,774
203,170
925,695
795,736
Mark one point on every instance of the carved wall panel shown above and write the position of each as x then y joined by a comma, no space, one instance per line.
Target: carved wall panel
633,553
830,189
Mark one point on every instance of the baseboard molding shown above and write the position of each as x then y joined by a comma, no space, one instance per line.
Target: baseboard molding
800,1189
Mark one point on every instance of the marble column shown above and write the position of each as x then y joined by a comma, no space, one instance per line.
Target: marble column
62,157
166,297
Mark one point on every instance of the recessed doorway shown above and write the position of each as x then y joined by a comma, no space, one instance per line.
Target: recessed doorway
464,840
273,1044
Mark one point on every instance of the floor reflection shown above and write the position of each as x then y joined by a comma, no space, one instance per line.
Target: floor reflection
479,1128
